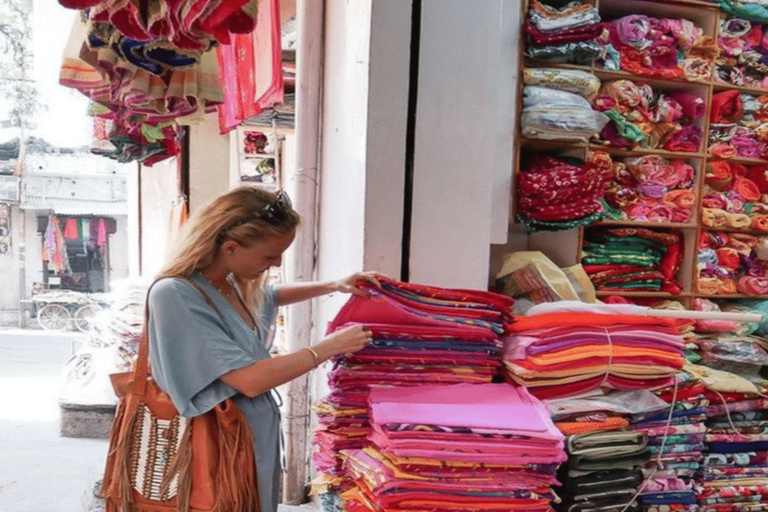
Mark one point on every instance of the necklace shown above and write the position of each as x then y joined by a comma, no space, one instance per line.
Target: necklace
232,290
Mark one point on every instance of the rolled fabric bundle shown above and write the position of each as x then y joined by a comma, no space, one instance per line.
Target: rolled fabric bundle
713,218
727,287
723,150
753,285
682,215
743,242
683,198
694,105
715,201
737,220
660,213
759,175
747,189
719,174
728,258
686,139
641,210
726,107
714,239
747,147
761,249
696,69
707,256
707,286
760,223
620,196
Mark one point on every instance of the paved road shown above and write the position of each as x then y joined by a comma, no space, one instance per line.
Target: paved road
40,471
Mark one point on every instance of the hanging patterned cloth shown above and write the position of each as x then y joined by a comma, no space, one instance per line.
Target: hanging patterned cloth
55,248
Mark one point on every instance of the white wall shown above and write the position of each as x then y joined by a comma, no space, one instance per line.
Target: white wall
159,188
208,162
464,139
9,271
118,249
365,93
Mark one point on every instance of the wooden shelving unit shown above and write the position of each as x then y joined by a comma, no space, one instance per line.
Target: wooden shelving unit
707,16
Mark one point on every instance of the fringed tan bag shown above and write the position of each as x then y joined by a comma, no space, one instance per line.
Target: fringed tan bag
160,461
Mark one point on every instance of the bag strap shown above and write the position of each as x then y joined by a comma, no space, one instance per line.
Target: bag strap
141,371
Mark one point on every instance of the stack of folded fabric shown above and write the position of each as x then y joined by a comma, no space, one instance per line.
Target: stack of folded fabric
734,196
604,467
650,188
563,35
421,335
461,447
658,47
644,117
741,60
735,469
550,113
731,263
738,125
567,348
559,193
675,445
632,259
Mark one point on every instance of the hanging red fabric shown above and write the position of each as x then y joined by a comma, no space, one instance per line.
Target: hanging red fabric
251,69
70,229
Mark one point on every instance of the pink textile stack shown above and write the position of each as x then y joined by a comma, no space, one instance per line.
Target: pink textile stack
464,446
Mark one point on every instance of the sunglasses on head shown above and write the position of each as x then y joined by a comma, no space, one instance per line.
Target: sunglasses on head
276,211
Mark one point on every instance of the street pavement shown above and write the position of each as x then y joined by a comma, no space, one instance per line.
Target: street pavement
41,471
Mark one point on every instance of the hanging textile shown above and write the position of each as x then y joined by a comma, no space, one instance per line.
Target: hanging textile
55,248
251,69
70,229
101,237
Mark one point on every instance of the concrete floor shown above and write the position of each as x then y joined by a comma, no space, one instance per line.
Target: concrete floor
40,471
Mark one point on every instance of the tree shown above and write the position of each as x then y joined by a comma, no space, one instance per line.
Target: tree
19,99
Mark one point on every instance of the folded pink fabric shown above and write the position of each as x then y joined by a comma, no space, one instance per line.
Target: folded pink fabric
487,406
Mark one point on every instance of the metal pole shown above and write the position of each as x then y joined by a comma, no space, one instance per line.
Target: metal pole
303,186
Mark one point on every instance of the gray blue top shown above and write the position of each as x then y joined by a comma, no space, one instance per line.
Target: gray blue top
192,345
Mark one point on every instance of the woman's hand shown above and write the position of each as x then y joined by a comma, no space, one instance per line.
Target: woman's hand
352,284
344,341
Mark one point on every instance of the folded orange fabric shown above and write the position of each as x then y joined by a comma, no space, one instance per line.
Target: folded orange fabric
529,323
760,223
570,428
719,174
747,189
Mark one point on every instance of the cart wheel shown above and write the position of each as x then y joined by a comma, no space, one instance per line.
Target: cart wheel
85,316
53,317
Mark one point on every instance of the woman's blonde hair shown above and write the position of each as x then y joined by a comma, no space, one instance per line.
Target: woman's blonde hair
246,215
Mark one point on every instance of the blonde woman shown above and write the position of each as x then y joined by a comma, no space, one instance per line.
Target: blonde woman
202,353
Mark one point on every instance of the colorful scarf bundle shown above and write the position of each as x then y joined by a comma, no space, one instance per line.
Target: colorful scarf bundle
632,259
733,195
651,188
737,119
658,47
641,116
742,53
730,263
554,190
